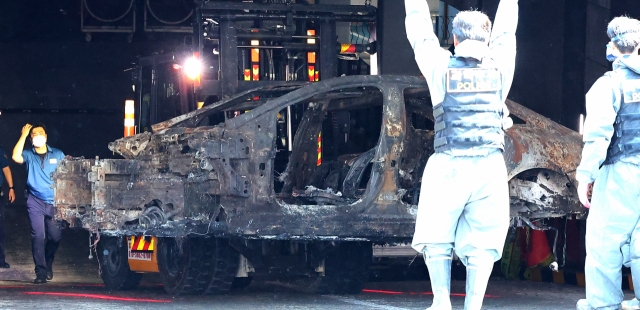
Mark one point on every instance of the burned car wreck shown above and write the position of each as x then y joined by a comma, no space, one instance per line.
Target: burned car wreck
300,181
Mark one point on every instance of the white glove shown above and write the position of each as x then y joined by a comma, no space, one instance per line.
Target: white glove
507,122
583,190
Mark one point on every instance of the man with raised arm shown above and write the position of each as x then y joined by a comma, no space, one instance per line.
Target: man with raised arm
464,199
41,161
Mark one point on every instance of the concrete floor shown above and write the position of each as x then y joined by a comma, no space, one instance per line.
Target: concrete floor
502,294
77,285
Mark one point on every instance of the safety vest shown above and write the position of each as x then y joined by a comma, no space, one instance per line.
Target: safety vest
626,135
470,115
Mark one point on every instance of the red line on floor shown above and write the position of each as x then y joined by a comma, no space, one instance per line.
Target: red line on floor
382,292
97,296
417,293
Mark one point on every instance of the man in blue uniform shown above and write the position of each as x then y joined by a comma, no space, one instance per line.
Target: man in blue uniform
6,175
611,165
464,199
41,161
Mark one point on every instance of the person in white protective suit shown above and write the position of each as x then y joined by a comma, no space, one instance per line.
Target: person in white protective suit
464,197
610,165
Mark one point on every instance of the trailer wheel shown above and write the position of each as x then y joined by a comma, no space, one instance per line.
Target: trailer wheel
225,266
240,284
346,269
185,265
114,265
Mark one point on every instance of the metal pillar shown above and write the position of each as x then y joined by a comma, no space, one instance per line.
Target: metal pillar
228,58
328,49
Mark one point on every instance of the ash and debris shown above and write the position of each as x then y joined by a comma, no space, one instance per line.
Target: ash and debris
310,189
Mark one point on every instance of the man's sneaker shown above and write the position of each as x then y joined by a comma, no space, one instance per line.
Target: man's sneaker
632,304
49,274
4,265
583,305
40,280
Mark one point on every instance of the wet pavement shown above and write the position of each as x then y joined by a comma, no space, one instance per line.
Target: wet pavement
501,294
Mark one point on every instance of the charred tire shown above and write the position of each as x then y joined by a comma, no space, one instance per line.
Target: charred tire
225,266
240,284
324,176
114,265
185,265
346,269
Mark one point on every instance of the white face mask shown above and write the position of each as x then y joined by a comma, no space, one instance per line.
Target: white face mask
39,141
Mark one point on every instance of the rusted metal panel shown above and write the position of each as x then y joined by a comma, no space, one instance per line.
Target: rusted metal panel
187,178
540,143
72,190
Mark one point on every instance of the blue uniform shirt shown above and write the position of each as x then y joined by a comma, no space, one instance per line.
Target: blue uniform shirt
39,172
4,162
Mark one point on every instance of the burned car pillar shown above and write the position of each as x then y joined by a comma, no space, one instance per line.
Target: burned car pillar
384,176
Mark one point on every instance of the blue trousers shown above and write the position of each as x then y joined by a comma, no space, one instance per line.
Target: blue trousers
45,234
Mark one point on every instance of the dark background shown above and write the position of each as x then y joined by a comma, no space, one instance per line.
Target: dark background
51,74
48,64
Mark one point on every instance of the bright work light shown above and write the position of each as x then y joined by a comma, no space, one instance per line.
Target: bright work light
192,68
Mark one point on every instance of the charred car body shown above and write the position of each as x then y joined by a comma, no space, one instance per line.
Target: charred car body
224,199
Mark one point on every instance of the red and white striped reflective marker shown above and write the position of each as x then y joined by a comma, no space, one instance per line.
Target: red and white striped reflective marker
129,119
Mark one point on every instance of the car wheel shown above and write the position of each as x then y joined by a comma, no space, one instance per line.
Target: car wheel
114,265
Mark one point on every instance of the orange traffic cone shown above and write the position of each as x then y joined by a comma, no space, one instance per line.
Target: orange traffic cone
540,253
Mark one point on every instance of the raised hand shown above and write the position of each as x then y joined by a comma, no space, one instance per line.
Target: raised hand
26,130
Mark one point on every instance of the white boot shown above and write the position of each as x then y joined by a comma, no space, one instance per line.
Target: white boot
477,278
634,264
583,305
632,304
440,275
